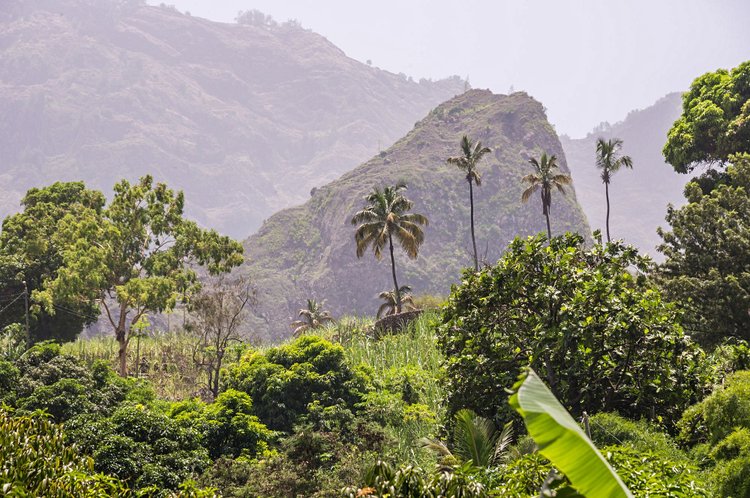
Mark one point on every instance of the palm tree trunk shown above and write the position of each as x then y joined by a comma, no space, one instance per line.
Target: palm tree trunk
393,270
606,191
549,230
473,239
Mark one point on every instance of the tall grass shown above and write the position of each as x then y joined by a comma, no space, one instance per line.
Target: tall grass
412,351
166,360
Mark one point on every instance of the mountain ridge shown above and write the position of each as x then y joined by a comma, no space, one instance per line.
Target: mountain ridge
244,118
308,251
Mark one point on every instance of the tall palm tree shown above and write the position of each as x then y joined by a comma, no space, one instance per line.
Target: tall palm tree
384,218
475,439
389,306
472,154
545,179
312,317
609,162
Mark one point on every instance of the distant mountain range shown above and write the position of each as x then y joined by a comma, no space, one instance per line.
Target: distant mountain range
639,197
309,251
245,118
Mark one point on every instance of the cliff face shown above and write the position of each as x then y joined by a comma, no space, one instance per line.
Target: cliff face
246,119
638,197
309,251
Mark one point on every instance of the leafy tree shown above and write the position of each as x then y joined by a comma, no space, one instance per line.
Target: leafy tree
610,162
715,121
30,253
384,218
286,380
133,257
598,333
707,264
544,180
220,309
475,440
312,317
472,154
389,306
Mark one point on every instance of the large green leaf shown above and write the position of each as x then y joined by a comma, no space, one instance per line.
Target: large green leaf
561,440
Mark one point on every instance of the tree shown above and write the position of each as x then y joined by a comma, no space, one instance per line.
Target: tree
715,121
135,256
586,320
30,253
220,309
707,265
544,180
312,317
389,306
473,153
384,218
609,162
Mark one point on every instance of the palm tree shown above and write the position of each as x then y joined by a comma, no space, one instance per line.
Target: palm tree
384,218
609,162
389,306
475,439
473,153
311,318
545,179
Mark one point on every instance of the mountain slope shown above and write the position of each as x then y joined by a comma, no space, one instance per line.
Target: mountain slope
638,197
308,251
246,119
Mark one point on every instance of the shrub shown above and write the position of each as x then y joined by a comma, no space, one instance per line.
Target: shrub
601,337
286,379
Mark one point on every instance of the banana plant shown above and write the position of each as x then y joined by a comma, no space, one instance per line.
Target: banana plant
562,441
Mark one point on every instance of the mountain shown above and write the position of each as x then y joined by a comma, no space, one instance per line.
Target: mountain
309,252
245,118
638,197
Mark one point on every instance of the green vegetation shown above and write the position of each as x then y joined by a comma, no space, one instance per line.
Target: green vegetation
610,162
344,409
715,121
601,337
544,179
707,259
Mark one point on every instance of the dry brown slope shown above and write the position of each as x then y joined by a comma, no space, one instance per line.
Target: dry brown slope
246,119
308,251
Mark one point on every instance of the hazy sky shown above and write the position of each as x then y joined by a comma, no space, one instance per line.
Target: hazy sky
588,61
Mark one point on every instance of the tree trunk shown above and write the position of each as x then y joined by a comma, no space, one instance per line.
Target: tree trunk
121,334
549,230
606,192
393,270
473,239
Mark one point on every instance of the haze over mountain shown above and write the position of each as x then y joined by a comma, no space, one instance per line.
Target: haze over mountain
246,119
638,197
309,251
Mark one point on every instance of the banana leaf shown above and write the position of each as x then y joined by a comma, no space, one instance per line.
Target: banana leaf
561,440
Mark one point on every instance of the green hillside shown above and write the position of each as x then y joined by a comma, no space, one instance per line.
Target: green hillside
308,251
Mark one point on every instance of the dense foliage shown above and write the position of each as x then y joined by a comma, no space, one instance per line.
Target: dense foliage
598,334
707,264
30,253
715,121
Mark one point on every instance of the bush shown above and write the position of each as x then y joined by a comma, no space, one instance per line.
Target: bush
227,426
717,416
600,335
285,380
